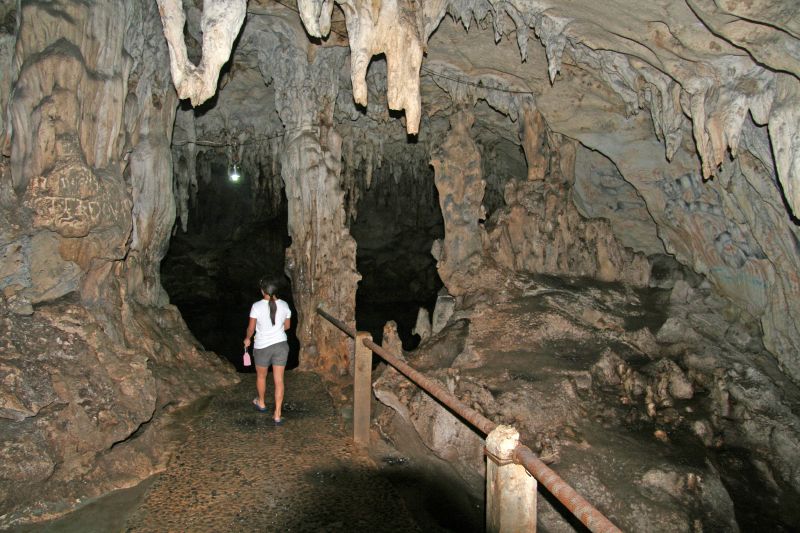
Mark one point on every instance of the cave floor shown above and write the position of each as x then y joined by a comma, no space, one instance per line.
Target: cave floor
234,470
237,471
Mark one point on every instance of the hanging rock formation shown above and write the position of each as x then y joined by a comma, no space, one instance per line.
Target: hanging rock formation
397,28
221,22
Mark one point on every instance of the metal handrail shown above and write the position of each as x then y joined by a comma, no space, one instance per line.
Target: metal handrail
522,455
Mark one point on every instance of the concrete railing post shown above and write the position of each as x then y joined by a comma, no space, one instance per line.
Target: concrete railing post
362,390
510,489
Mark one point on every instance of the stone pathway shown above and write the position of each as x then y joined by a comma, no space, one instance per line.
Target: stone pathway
236,471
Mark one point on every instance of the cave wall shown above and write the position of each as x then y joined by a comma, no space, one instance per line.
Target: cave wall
93,354
541,231
735,229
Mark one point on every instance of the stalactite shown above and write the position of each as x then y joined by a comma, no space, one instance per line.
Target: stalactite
221,22
397,28
185,168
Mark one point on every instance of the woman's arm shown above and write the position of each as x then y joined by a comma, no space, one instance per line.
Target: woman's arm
287,324
251,328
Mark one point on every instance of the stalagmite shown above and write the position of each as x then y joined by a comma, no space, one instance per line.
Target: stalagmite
458,178
533,134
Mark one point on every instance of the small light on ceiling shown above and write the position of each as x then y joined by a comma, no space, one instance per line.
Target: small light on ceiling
234,174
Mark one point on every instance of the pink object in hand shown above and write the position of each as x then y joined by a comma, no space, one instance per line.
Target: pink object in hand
246,359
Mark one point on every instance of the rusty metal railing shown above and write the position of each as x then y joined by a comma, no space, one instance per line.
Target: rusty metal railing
522,455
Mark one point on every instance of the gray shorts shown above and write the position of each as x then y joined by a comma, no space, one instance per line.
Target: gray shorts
274,354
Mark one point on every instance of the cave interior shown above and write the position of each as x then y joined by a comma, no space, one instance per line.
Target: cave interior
581,218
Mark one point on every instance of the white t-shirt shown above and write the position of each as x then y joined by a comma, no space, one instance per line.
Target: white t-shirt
268,333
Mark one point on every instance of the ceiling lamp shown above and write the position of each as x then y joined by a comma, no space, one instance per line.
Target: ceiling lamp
234,174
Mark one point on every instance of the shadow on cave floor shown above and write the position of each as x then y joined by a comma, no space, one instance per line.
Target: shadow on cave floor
237,471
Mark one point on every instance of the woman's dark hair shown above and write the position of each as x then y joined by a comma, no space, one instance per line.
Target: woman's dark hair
270,288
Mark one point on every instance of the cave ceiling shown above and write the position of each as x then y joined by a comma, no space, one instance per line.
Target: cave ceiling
694,71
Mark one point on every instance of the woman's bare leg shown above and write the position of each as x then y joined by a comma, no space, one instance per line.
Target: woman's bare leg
277,376
261,384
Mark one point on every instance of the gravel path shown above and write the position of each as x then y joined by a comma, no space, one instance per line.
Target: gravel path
237,471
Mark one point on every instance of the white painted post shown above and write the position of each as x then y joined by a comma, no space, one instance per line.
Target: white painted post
510,489
362,390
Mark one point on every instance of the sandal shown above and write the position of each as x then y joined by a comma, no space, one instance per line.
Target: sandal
278,421
258,407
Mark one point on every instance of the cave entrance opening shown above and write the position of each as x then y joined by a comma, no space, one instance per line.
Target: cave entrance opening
398,219
237,233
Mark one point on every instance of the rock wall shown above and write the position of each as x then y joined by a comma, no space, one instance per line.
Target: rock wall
541,231
93,355
734,229
643,400
705,223
600,192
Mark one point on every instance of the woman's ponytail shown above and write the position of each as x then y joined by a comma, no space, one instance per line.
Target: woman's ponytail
273,308
269,288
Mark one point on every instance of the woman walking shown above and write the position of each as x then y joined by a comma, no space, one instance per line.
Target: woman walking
269,320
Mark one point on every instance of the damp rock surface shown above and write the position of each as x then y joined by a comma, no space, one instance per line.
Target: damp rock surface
640,405
237,471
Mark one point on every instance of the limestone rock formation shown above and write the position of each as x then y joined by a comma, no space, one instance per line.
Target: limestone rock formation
460,184
541,231
93,355
221,22
322,258
398,29
610,142
581,368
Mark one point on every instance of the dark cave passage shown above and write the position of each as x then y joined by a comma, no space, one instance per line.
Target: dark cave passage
236,234
396,225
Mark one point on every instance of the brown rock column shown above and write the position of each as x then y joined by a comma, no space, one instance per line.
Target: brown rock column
533,133
457,167
321,261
